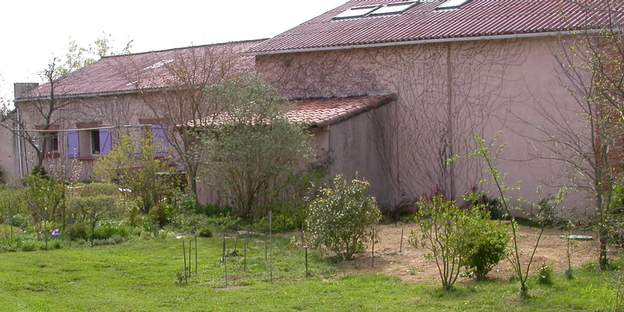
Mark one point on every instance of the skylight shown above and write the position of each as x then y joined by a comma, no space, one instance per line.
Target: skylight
394,8
158,64
356,12
452,4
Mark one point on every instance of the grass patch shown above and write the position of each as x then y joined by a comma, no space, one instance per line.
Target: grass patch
140,276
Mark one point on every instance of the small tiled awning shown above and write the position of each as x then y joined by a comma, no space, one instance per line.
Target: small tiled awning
318,112
327,111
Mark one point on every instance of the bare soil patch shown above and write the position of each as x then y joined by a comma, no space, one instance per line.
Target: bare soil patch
412,265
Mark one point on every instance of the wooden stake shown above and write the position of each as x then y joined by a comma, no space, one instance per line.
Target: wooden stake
270,247
373,250
245,251
401,247
225,272
196,265
184,256
190,266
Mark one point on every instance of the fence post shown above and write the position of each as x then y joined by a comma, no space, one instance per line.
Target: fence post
225,272
401,247
184,256
373,250
196,265
270,246
245,251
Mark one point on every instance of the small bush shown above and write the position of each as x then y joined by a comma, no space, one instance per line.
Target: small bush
77,231
341,216
545,275
107,230
57,244
97,189
29,245
205,232
487,245
161,214
19,220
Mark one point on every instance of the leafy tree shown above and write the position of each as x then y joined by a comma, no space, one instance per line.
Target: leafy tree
250,149
341,216
45,199
137,172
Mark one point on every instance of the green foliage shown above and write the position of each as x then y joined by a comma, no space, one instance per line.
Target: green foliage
13,207
205,232
545,275
91,209
448,233
341,216
487,246
490,204
44,197
77,231
140,174
252,150
110,229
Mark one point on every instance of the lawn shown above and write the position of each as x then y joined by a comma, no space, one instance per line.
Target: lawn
141,276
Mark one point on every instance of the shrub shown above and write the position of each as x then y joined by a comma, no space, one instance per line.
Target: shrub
490,204
545,275
205,232
19,220
107,230
96,189
161,214
341,216
12,203
487,245
77,231
449,234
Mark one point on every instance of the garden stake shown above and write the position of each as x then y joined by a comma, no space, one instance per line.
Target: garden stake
184,256
305,249
196,271
401,246
224,263
223,257
190,254
270,247
245,252
373,250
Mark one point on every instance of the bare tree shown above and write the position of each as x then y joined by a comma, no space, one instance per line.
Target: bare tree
45,105
584,132
172,85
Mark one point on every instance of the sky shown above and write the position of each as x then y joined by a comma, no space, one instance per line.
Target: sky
33,31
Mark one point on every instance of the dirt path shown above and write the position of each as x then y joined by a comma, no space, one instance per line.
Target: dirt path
412,265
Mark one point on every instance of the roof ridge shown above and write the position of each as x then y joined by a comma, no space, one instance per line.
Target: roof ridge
188,47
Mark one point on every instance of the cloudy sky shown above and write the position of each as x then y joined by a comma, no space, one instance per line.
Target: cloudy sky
33,31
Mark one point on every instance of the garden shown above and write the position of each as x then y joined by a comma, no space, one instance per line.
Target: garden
136,238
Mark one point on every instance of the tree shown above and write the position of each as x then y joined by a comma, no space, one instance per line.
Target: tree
180,78
46,107
138,172
585,134
250,149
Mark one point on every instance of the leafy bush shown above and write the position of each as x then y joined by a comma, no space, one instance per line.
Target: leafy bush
545,275
77,231
12,203
458,238
341,216
96,189
19,220
205,232
161,214
106,230
490,204
487,245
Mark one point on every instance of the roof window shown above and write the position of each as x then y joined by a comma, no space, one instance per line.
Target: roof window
452,4
394,8
356,12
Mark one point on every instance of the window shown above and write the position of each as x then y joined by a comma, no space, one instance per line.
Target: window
356,12
53,142
452,4
158,64
95,142
394,8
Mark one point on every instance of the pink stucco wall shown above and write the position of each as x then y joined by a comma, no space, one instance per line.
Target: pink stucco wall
500,90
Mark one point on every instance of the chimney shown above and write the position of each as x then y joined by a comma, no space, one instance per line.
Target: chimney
21,89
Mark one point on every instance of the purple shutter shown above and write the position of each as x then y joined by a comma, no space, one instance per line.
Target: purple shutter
160,141
106,142
73,144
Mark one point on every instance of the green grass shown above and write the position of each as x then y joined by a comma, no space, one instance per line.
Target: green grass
141,276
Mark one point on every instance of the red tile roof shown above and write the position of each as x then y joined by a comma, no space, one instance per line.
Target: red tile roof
423,22
317,112
328,111
115,74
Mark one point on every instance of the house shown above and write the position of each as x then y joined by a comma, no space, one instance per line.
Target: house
391,90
